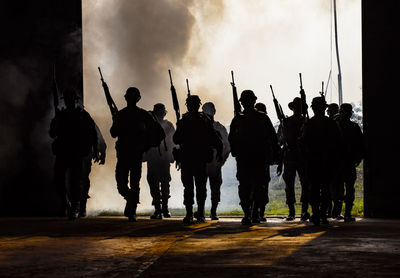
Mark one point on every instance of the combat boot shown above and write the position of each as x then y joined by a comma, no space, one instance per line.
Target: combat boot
213,212
132,214
188,219
347,214
315,217
74,211
292,213
255,216
165,211
262,212
82,208
157,212
337,210
200,213
246,220
304,212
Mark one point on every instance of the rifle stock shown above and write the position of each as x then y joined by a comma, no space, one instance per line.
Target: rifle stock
236,103
110,101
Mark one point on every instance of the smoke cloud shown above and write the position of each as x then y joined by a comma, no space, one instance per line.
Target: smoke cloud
264,42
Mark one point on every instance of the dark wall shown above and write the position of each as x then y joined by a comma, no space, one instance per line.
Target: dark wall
36,35
381,74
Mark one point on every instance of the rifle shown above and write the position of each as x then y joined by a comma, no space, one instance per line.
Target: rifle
304,110
322,92
110,101
236,104
175,102
278,108
55,91
187,85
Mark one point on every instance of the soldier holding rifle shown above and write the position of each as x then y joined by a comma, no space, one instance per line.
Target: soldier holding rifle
137,131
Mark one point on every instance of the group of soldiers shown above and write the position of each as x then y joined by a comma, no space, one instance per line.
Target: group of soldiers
323,150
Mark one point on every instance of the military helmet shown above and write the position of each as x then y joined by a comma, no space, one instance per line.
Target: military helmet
247,95
295,103
346,107
209,108
333,107
159,107
261,107
319,102
133,91
193,99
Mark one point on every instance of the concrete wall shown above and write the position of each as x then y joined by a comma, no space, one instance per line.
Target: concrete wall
35,36
381,75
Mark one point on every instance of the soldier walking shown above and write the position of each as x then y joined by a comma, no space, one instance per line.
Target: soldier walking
197,139
293,161
351,155
321,141
253,140
159,160
214,167
75,137
137,131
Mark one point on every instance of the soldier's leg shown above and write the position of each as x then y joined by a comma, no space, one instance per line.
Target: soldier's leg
315,196
188,192
289,176
85,184
165,190
215,178
135,175
121,176
201,190
75,167
245,183
325,199
154,184
266,197
60,170
349,179
305,192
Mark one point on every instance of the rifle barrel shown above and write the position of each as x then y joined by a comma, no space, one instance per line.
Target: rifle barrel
272,90
170,77
233,78
301,81
101,75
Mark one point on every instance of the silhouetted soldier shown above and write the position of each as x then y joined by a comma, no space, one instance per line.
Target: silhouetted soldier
293,161
253,141
75,138
259,208
137,131
351,155
197,139
332,112
321,141
214,167
158,165
99,157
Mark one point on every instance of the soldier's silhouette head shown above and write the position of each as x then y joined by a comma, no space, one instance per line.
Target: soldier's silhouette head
318,106
248,99
295,105
261,107
209,109
346,111
70,97
159,110
332,109
132,96
193,103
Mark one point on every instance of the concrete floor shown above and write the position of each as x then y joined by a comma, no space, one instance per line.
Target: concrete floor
112,247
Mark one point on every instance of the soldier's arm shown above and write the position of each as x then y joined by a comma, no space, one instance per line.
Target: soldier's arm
53,128
115,128
178,135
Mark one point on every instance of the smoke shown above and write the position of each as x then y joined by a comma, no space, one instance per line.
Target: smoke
264,42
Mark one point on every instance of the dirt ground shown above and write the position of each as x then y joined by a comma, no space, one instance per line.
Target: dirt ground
112,247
